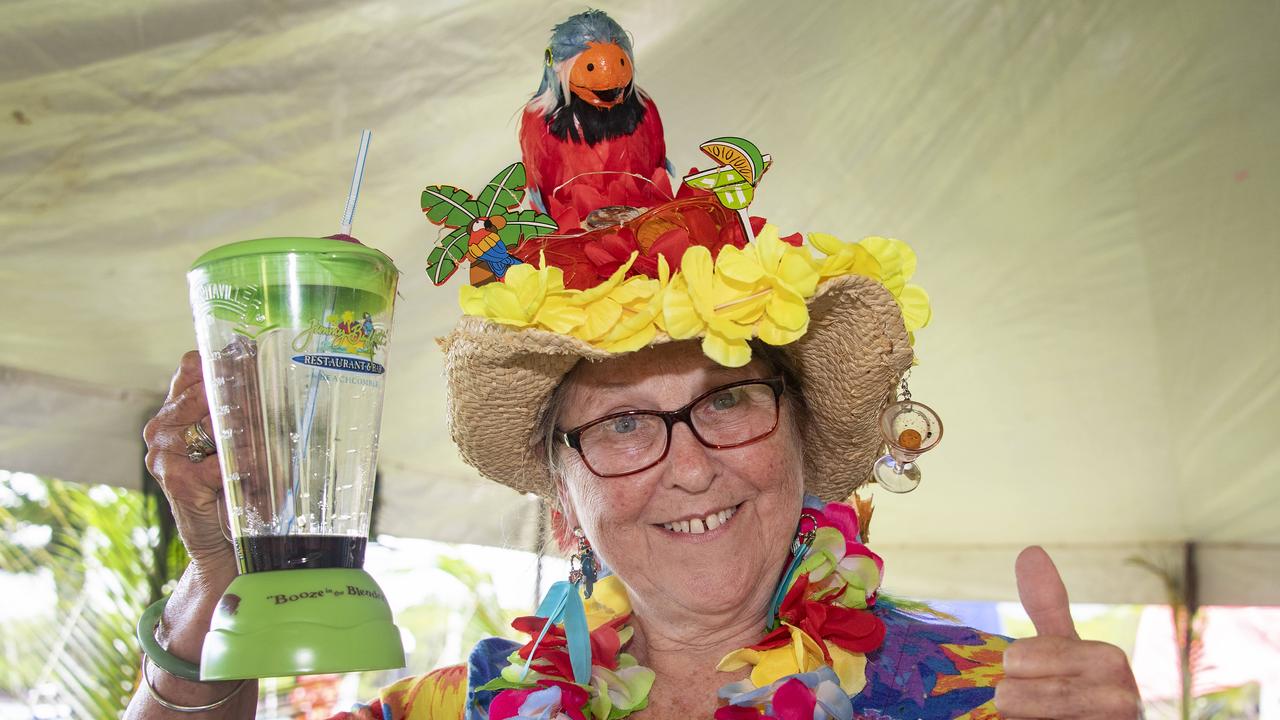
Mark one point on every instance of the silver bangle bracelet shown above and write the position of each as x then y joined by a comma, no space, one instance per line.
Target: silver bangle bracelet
155,695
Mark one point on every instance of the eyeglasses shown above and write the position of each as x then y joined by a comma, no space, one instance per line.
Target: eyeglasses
633,441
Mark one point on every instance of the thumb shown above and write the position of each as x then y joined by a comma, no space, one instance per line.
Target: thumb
1043,595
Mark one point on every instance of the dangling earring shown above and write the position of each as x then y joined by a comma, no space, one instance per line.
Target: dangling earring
909,429
582,564
806,531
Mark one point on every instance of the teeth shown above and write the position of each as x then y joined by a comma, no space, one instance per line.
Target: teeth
697,526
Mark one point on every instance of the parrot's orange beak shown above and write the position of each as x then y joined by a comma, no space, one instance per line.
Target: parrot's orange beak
601,75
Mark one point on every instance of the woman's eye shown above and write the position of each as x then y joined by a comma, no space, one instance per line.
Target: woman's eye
725,400
623,425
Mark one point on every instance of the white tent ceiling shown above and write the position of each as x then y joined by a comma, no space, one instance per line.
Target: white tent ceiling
1091,187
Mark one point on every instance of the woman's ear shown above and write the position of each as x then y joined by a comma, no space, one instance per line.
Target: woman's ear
565,505
563,519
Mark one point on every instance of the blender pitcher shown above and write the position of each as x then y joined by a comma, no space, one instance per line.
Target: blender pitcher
293,338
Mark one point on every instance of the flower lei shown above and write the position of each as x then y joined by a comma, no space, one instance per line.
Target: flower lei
809,666
755,291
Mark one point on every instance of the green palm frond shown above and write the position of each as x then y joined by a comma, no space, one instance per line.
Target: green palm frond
102,549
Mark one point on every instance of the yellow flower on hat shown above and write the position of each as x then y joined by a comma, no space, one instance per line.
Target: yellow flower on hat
782,275
602,311
886,260
758,291
802,654
619,313
527,297
698,302
843,258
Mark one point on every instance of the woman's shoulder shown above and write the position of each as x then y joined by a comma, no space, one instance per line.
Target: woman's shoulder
930,668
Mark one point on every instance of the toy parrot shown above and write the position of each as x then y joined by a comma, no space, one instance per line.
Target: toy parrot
589,137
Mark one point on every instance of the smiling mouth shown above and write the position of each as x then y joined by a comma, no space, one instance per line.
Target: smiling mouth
700,525
608,95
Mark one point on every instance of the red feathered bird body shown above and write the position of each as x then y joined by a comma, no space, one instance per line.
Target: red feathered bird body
572,177
589,137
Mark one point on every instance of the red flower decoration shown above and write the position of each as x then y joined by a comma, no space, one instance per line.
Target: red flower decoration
758,223
857,631
507,703
552,654
590,257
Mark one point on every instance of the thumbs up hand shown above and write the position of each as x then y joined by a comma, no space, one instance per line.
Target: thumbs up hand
1056,674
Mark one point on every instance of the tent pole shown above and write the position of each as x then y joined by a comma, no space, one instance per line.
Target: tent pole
1190,608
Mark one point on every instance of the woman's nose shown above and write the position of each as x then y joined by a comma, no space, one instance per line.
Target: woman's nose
688,465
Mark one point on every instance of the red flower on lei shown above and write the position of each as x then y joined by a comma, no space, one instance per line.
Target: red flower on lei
552,654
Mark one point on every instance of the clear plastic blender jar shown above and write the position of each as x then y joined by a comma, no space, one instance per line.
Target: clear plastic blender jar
293,334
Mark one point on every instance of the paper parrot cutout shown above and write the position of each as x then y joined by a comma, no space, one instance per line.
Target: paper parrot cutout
485,227
589,137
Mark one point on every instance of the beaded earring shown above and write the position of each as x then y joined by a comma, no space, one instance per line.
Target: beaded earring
806,531
582,564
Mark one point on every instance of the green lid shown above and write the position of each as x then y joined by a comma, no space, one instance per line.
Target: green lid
290,262
287,245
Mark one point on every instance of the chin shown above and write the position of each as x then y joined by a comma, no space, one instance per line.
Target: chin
715,582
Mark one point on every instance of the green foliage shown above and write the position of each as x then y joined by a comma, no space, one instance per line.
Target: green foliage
107,557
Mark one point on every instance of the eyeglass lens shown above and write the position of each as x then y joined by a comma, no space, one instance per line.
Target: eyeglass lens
725,417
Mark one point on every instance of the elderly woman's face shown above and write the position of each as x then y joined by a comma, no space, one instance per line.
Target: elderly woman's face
644,525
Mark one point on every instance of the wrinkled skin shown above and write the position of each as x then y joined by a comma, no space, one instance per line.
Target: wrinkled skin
690,575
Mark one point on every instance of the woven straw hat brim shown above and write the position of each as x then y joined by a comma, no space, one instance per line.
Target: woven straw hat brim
499,379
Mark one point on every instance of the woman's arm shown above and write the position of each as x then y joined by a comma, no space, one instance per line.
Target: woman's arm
181,631
193,490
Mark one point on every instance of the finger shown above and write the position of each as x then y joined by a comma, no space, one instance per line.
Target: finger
165,429
188,372
1065,698
1036,698
1048,656
185,482
1042,593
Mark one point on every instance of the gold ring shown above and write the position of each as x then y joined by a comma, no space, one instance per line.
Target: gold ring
199,444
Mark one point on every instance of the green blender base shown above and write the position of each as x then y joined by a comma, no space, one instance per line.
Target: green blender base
300,622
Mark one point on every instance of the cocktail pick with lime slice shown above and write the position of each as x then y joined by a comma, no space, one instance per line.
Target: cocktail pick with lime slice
740,154
734,181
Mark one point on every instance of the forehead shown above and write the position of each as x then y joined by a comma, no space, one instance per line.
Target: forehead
672,372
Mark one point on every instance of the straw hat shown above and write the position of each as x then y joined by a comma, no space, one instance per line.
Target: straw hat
854,351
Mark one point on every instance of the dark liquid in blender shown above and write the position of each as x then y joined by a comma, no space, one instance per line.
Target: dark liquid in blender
260,553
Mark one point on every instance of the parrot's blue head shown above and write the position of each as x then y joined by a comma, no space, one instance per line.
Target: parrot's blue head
602,77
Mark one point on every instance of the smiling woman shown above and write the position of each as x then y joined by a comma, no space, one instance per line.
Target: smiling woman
698,412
